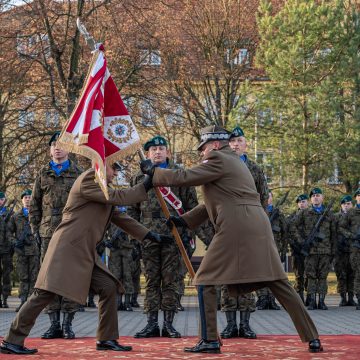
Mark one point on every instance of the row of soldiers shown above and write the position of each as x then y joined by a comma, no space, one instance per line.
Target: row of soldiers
163,266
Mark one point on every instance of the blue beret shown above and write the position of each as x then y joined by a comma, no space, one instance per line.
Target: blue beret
301,198
237,132
155,141
54,137
315,191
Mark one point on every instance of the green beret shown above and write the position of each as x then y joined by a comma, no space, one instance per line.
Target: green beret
301,198
26,192
54,137
357,192
345,199
155,141
2,195
315,191
237,132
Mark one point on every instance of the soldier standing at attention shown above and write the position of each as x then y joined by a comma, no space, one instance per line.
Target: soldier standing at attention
318,262
244,303
50,192
279,228
161,261
342,265
5,254
26,249
298,258
349,228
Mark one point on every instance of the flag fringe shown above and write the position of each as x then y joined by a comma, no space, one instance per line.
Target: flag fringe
123,153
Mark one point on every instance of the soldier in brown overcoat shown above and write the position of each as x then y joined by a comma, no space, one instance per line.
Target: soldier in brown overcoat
72,250
242,254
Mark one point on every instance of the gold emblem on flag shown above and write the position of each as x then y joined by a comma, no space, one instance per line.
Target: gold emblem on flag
120,130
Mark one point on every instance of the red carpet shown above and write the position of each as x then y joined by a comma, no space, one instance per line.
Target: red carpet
342,347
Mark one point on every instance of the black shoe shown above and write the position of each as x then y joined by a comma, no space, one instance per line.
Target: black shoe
351,301
67,330
315,346
8,348
343,301
134,302
321,304
231,330
272,303
210,347
168,330
312,302
5,304
262,303
54,331
152,327
127,303
245,330
111,345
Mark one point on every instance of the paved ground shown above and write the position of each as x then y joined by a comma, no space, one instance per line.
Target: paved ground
336,320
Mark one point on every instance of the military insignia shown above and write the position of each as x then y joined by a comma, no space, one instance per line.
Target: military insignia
157,142
120,130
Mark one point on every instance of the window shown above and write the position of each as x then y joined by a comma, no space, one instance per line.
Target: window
175,117
264,117
52,118
33,45
150,57
148,113
26,118
238,57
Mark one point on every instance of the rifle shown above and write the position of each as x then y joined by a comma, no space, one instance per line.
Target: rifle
314,236
275,213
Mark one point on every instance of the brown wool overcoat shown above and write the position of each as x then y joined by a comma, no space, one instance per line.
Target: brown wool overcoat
243,249
71,256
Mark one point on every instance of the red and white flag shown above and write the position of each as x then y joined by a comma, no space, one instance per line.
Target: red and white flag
100,127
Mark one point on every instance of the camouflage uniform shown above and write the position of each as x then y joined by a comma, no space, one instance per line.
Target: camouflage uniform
49,196
279,229
342,265
298,261
120,258
349,228
135,267
5,261
247,302
161,261
27,254
318,262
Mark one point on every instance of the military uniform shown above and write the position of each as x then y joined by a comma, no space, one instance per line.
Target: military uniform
5,261
266,299
349,228
318,262
161,261
27,253
49,196
135,267
120,263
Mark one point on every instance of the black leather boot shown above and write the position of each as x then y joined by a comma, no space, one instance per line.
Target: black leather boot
343,301
245,330
54,331
321,304
179,306
351,301
262,303
231,330
203,346
120,305
0,302
134,302
91,303
315,346
152,327
5,304
67,326
22,302
358,304
272,303
127,303
307,300
301,294
168,330
312,302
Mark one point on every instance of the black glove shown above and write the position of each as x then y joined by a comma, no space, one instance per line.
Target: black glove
177,221
147,167
148,183
153,236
